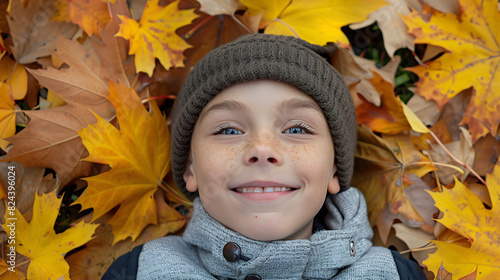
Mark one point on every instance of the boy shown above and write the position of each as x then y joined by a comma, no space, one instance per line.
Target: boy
264,129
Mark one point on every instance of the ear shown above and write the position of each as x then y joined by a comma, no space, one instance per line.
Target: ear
333,183
189,176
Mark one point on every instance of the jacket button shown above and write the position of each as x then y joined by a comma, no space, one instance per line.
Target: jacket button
253,277
231,252
352,247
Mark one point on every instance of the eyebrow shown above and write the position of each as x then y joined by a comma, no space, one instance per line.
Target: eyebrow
229,105
286,105
298,103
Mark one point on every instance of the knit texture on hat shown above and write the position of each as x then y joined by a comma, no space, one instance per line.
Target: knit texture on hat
267,57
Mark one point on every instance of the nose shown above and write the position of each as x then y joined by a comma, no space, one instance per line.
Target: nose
263,149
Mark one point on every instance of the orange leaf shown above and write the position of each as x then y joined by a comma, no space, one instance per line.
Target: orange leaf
473,59
154,35
389,118
139,156
90,15
466,215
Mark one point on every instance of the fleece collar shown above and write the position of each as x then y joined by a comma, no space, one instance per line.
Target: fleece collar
345,239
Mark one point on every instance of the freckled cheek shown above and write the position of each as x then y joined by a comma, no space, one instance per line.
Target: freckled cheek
218,159
304,156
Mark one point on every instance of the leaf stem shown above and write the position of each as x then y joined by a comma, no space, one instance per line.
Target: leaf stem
456,159
289,27
427,246
190,32
241,23
439,164
164,186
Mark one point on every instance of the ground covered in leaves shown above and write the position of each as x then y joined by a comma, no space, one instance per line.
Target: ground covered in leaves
86,88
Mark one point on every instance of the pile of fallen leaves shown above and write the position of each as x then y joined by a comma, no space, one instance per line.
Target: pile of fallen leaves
86,87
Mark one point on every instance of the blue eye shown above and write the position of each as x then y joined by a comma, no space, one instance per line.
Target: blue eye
295,130
298,128
228,131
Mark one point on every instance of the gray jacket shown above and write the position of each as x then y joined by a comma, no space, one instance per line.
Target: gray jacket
343,250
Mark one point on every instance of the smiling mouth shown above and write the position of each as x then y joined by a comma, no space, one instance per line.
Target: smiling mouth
262,189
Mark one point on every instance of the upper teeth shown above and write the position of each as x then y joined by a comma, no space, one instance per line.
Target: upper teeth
263,189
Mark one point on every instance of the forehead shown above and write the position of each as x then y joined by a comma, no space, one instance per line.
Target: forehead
261,93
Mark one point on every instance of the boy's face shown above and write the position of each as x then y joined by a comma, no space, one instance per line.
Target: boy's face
262,159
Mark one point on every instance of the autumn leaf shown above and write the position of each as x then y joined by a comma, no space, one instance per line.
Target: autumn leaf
38,241
33,34
139,156
14,76
465,214
204,34
7,116
82,87
90,15
154,36
473,57
317,22
382,167
389,117
100,252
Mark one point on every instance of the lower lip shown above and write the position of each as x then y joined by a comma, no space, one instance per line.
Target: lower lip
263,196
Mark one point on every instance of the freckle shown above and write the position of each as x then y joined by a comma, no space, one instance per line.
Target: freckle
255,217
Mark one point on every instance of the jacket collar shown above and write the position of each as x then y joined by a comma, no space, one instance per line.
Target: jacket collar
346,237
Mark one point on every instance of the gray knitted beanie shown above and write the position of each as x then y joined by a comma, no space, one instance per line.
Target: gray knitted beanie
266,57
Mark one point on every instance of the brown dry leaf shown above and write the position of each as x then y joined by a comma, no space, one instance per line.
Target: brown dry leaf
415,239
350,65
219,7
394,30
389,117
381,170
33,33
116,64
82,87
59,150
426,110
82,84
487,153
461,149
92,261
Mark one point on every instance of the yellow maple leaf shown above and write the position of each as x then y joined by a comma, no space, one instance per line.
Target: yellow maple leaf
466,215
7,116
139,156
38,241
317,22
154,36
473,58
